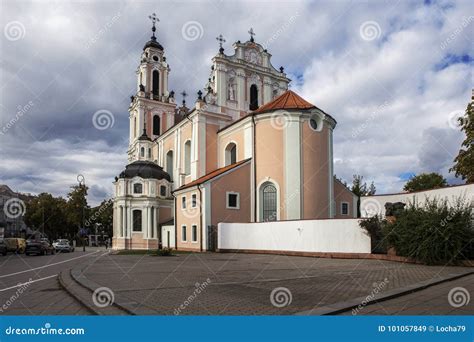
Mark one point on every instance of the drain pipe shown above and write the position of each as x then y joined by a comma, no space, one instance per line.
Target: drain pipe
254,162
200,217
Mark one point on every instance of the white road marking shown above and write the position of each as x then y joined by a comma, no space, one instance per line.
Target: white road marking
56,263
28,283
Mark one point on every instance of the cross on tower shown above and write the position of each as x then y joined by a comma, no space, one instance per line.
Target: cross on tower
251,34
153,19
184,94
221,40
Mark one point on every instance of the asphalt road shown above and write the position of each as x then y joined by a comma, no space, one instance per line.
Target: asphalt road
29,284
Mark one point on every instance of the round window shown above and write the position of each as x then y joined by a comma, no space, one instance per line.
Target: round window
313,124
155,58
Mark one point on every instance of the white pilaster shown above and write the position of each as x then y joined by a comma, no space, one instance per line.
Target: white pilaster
292,137
331,174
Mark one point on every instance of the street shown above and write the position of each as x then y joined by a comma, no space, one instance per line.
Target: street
29,284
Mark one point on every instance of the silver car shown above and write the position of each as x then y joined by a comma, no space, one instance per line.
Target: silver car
62,245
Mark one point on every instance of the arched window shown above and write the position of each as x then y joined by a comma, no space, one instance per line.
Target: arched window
253,97
268,195
187,157
230,154
156,82
137,220
169,163
142,152
156,125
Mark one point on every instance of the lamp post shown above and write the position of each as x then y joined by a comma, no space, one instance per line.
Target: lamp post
82,183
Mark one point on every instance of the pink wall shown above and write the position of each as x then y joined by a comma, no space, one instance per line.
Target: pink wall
342,194
315,172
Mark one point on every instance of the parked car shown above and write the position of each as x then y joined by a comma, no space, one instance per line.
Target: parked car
15,245
39,247
63,245
3,248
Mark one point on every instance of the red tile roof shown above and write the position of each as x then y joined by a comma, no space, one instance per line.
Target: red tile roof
212,174
287,100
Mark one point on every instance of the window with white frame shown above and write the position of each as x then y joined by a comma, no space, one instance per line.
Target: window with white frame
344,208
137,188
183,234
193,200
183,202
233,200
194,234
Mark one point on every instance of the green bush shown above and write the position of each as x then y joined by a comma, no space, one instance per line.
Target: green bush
165,252
433,233
373,226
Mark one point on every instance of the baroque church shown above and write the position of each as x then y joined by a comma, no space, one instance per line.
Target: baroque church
250,150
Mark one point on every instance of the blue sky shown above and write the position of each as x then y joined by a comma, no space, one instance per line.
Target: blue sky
395,75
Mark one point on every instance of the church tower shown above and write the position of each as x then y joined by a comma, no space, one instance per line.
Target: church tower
152,109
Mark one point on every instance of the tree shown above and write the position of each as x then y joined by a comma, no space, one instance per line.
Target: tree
360,188
464,161
77,208
47,214
425,181
102,217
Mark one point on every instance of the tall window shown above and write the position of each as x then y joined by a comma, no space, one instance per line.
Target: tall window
344,208
194,233
193,200
269,202
230,154
142,152
183,234
156,82
169,163
187,157
253,97
156,125
137,220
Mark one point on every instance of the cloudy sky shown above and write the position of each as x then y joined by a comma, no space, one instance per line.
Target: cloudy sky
394,74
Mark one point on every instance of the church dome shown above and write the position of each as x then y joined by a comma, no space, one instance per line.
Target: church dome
144,169
154,44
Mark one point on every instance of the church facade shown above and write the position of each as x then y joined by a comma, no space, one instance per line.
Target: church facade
250,150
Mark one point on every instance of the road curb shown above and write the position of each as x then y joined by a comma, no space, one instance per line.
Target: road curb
340,307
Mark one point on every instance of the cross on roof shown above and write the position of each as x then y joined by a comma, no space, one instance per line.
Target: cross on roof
153,19
251,34
220,39
184,94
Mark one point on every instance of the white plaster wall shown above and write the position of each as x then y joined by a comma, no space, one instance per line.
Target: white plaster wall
332,235
164,236
372,205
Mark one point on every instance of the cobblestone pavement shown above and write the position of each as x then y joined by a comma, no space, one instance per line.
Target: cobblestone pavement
242,284
431,301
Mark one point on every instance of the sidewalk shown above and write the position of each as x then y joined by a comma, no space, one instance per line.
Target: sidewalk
244,284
